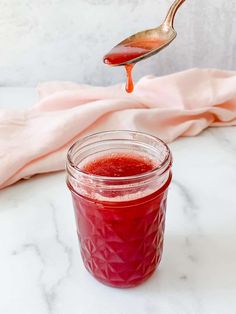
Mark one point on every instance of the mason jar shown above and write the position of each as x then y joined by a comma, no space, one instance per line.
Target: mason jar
120,219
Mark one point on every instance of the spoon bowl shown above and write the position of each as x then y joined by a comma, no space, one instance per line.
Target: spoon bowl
144,44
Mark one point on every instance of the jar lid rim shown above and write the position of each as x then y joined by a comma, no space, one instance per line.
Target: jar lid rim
160,169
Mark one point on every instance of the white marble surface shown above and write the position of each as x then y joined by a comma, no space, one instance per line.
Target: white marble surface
58,39
41,271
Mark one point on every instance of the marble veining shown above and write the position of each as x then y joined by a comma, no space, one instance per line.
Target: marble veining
50,295
190,207
41,269
49,291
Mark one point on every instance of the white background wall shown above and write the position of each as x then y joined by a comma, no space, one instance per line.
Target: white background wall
66,39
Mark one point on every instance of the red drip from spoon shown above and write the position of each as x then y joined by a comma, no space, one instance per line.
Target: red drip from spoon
129,87
129,51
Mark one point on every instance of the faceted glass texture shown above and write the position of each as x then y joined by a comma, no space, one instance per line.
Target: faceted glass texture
121,244
120,209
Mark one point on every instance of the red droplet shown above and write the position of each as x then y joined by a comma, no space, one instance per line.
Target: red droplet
129,80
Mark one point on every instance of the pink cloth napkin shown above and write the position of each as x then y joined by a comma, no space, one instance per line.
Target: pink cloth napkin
182,104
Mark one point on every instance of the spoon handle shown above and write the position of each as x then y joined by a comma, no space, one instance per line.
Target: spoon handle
171,13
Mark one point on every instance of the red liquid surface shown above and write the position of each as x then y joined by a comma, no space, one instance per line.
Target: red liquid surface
119,165
121,241
127,51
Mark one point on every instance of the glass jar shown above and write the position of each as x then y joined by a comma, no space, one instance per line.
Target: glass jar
120,220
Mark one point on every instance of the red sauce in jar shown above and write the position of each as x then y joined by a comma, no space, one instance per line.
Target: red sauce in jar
121,240
119,165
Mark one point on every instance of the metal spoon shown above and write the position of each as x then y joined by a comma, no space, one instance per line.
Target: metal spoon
144,44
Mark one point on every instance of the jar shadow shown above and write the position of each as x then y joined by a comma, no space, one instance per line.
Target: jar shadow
195,262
